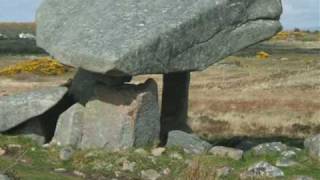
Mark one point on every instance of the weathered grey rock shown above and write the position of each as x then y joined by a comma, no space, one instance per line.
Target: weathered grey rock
313,146
286,162
262,169
69,127
223,172
163,36
232,153
189,142
303,178
16,109
66,153
267,148
4,177
150,174
115,117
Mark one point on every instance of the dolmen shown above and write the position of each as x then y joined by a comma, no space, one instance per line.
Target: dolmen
109,42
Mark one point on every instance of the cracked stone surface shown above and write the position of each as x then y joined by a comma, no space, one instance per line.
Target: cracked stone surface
152,37
19,108
115,118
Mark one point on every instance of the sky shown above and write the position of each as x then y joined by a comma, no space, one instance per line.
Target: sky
303,14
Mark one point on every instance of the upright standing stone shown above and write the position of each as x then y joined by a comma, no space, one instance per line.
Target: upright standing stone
115,117
174,111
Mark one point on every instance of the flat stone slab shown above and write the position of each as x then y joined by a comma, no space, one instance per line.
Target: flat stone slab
19,108
133,37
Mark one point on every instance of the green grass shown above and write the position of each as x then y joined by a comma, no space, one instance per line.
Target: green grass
34,162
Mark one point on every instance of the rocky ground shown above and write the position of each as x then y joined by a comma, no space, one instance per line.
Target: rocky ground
242,102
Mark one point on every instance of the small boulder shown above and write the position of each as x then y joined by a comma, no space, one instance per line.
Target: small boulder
30,105
303,178
150,174
4,177
66,153
262,169
231,153
2,151
312,144
189,142
158,151
285,162
223,172
267,148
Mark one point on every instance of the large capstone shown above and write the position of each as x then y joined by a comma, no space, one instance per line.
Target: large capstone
130,37
115,117
19,108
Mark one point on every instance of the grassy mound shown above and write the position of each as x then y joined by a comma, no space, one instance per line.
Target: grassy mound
42,66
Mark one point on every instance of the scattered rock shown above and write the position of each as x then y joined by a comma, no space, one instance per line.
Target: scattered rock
232,153
303,178
223,172
176,155
2,151
267,148
166,171
141,151
150,174
262,169
289,154
128,166
285,162
189,142
14,146
66,153
4,177
154,42
312,144
158,151
30,105
60,170
80,174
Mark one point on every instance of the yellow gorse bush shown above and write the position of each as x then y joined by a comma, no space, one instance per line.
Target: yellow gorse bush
41,66
263,55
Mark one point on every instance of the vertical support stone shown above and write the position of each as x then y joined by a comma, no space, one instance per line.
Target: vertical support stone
174,111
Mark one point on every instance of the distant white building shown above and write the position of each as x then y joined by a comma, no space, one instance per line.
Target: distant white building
2,36
26,36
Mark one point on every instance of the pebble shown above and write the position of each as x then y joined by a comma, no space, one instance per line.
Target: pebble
66,153
150,174
223,172
128,166
141,151
158,151
80,174
176,155
2,152
60,170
